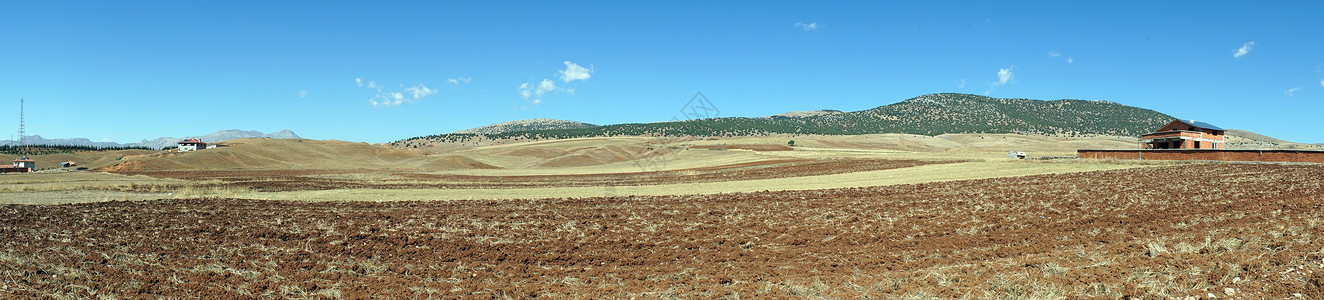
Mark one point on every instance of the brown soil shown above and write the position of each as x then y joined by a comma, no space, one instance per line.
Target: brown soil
744,147
298,180
464,162
591,156
1191,230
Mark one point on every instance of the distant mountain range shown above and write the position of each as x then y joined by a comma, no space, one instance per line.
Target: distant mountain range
158,143
931,114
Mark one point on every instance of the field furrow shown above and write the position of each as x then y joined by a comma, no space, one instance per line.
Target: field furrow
1255,232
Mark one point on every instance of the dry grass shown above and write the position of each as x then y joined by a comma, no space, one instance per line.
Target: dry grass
982,144
294,154
988,168
46,182
305,154
587,155
86,159
920,174
78,187
683,159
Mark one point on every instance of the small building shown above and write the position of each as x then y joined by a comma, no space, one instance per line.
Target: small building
22,164
191,144
68,163
1016,155
25,162
1184,134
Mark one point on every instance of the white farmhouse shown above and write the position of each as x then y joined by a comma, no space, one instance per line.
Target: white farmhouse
191,144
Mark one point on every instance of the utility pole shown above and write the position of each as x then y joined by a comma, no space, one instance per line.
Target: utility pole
20,124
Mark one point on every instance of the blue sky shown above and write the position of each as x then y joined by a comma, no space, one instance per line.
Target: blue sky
383,71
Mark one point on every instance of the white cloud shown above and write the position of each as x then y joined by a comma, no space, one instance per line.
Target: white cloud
547,86
459,80
1004,75
384,97
574,72
420,91
1290,92
388,99
303,93
1321,82
1245,49
529,91
534,91
807,26
961,84
1058,55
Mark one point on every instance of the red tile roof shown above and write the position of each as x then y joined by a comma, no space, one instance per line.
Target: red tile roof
191,141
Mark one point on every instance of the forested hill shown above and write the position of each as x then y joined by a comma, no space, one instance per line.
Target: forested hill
931,114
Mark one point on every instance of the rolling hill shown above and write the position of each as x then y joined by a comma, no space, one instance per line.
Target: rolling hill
1247,137
223,135
289,154
526,125
1241,139
931,114
84,159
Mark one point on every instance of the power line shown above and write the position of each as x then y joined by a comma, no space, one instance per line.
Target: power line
21,138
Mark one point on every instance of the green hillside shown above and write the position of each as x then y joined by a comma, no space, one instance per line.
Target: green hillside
931,114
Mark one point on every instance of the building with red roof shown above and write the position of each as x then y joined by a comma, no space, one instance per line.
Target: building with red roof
1184,134
22,164
191,144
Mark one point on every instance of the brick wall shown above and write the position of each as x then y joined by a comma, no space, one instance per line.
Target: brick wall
1207,154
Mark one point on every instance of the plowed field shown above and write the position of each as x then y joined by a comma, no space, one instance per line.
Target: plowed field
1251,231
302,180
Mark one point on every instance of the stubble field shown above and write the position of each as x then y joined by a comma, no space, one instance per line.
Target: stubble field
1239,230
